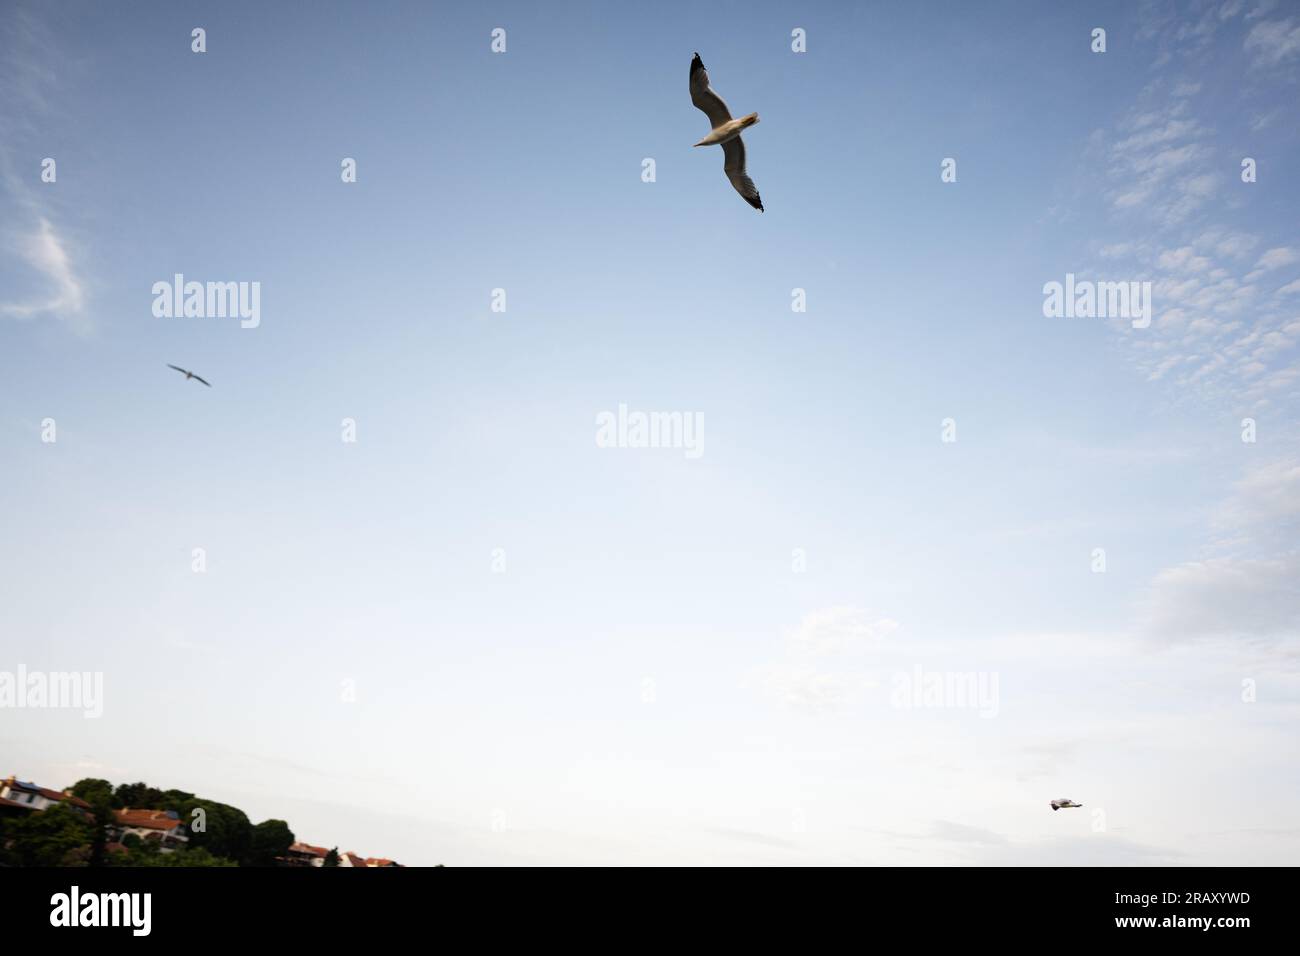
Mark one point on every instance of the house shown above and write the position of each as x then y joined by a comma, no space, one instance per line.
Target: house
304,854
352,859
13,808
163,827
19,793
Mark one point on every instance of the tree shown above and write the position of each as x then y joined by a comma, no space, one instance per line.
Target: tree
332,857
271,838
227,831
59,836
102,817
91,789
147,854
7,856
192,858
138,795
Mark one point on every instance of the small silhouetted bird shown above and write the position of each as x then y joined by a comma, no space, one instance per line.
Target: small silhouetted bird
190,375
1064,802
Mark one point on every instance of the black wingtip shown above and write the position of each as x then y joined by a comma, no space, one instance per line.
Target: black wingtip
696,64
756,202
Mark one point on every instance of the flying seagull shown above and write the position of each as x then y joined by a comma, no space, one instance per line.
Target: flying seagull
1064,802
725,131
190,375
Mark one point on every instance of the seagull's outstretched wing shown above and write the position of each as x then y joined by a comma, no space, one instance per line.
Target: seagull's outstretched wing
203,380
704,98
733,165
178,368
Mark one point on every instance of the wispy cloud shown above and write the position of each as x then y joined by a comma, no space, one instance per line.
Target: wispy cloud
27,74
836,629
26,83
1250,587
804,680
1163,167
1227,598
1274,259
1225,331
1273,42
45,250
1219,335
1264,505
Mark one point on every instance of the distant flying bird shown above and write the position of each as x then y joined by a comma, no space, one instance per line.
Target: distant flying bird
725,131
190,375
1064,802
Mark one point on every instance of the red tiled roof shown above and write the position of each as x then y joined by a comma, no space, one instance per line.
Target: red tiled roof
45,792
146,819
354,859
378,861
308,848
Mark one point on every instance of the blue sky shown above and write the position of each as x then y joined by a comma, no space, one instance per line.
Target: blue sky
501,717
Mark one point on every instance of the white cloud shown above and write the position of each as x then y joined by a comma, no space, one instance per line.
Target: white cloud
809,690
45,251
1251,589
1273,42
804,680
1216,329
1172,130
1264,502
1167,160
1276,258
1231,8
1262,8
1183,260
1235,245
1118,250
836,629
1227,598
1160,169
1262,121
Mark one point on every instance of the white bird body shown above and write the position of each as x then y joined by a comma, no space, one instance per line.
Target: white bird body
728,130
725,132
1064,802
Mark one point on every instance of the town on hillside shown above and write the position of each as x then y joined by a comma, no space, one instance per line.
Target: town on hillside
93,823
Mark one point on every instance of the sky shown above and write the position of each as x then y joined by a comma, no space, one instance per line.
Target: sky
385,579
